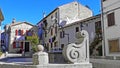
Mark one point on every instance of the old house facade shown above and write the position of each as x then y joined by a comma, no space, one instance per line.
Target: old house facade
61,16
16,34
111,13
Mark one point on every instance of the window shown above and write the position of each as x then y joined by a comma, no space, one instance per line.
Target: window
17,45
111,19
77,29
113,46
62,46
98,24
19,32
62,34
45,33
56,29
55,44
56,15
51,45
51,31
45,23
52,18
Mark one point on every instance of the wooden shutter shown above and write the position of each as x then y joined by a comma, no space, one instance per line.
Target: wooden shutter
16,32
14,44
22,45
22,32
111,19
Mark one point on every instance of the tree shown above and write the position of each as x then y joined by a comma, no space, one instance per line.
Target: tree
34,41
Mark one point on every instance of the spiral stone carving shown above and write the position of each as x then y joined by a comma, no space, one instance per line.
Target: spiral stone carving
77,53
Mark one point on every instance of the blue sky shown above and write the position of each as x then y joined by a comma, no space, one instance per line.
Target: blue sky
32,10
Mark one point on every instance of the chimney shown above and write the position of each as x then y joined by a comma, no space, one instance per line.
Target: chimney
13,21
44,15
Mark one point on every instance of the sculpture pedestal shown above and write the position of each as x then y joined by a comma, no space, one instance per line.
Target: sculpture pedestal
40,58
13,65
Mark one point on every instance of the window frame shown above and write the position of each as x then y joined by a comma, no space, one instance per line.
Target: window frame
110,46
77,29
111,19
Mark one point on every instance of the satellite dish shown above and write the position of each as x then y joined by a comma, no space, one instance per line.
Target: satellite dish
63,23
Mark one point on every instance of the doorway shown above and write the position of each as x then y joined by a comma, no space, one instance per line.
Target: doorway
27,47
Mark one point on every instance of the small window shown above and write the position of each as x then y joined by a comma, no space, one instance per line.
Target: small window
17,45
51,45
19,32
45,23
77,29
45,33
56,15
56,29
55,44
52,18
111,19
62,46
62,34
51,31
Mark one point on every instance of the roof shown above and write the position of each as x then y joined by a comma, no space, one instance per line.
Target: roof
84,20
17,23
1,16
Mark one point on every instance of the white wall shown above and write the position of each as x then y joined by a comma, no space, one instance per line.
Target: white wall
112,32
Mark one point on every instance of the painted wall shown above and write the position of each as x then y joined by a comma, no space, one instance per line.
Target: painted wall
11,32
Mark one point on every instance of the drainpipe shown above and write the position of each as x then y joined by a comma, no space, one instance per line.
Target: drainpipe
103,31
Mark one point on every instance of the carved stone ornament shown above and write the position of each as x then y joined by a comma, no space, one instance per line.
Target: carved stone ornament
78,53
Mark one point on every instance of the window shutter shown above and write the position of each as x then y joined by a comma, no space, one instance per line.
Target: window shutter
111,19
22,45
22,32
14,44
16,32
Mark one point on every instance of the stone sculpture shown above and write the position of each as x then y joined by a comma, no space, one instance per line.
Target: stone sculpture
78,53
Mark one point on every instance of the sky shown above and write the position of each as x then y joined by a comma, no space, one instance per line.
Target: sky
32,10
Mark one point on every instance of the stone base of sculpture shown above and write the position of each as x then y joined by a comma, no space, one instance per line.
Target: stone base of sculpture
13,65
40,57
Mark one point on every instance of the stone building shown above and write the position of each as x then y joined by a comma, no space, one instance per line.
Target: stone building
61,16
67,34
111,27
16,33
